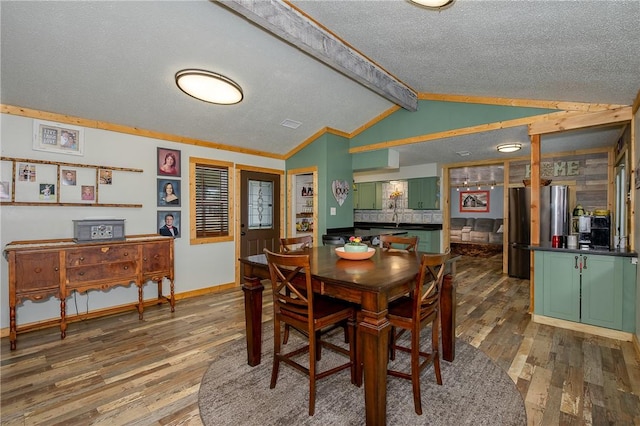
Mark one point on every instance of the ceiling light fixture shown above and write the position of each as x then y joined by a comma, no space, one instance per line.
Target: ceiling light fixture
209,87
509,147
432,4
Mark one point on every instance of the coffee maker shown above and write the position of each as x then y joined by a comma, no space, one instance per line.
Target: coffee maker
601,232
594,232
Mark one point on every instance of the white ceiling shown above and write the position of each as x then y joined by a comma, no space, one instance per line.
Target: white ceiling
115,61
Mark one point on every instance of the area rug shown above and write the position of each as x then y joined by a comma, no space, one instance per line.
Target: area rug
475,391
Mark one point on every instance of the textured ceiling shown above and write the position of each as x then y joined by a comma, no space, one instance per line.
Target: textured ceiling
115,62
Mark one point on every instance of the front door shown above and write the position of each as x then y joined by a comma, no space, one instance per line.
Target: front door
259,212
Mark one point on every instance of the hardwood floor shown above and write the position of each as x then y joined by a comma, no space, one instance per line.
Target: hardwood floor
118,370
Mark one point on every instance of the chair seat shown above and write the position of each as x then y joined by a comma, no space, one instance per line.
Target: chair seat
403,308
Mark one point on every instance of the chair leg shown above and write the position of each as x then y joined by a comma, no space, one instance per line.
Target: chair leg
312,372
318,345
276,353
285,339
415,370
392,344
353,356
435,339
359,354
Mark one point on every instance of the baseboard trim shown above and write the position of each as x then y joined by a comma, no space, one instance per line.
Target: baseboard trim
55,322
584,328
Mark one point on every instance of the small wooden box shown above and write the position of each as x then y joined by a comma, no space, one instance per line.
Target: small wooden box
90,230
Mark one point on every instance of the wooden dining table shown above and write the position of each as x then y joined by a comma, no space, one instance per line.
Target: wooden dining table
370,283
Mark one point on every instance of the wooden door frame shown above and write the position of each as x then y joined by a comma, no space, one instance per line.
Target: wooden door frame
238,200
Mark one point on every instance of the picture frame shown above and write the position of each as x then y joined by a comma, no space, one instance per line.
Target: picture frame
59,138
161,222
474,201
169,193
165,157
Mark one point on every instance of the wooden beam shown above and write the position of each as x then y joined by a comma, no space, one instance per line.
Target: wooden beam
293,26
574,120
535,212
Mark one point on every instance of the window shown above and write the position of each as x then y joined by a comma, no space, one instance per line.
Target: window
210,200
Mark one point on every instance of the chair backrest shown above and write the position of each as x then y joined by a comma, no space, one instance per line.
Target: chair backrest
295,243
426,295
333,240
395,242
291,285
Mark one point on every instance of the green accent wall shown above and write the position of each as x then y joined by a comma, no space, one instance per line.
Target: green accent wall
330,154
440,116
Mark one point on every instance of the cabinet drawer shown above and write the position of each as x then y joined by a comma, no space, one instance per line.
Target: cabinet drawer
37,272
110,272
101,254
156,257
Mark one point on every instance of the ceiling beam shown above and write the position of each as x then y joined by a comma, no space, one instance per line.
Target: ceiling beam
286,22
573,120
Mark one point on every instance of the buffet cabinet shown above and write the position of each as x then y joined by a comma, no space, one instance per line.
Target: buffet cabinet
56,268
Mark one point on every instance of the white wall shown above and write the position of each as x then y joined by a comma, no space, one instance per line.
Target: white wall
196,266
409,172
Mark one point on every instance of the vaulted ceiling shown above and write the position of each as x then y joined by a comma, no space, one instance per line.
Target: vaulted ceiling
115,62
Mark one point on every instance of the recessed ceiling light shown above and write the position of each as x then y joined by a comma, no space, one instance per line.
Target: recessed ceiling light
209,87
292,124
509,147
432,4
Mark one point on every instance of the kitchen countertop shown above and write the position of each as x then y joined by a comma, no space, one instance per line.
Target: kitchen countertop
619,253
405,226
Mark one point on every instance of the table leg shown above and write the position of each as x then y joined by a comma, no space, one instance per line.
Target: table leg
373,335
253,288
448,318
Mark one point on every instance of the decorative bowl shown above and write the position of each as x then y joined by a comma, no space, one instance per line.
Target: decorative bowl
355,255
355,247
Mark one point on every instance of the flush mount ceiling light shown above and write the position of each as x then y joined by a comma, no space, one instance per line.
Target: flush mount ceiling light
209,86
432,4
509,147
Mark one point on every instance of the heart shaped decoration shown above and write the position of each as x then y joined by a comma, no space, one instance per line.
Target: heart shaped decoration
340,190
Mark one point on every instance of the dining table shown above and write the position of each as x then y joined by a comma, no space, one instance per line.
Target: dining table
370,283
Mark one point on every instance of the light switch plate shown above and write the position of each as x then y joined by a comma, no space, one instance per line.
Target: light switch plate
333,211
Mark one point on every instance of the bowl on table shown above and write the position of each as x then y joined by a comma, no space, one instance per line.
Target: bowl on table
355,255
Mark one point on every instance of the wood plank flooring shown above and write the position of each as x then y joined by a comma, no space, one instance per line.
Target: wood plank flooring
118,370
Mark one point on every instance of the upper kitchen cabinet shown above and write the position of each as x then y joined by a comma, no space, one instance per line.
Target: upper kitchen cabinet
424,193
368,196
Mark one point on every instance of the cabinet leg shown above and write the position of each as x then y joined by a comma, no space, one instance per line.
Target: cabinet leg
63,318
13,334
140,302
172,300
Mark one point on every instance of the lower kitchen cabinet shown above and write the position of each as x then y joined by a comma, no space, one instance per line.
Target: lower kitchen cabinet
587,288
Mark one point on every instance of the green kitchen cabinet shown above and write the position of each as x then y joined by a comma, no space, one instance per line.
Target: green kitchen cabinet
368,196
587,288
424,193
428,241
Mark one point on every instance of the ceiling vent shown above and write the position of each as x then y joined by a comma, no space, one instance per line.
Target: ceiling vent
292,124
463,153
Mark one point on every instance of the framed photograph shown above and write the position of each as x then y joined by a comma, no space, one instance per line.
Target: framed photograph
60,138
47,192
168,192
474,201
68,177
5,190
106,177
27,172
169,223
88,192
168,162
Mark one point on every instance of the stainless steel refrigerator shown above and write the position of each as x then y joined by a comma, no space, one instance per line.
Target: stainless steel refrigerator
554,220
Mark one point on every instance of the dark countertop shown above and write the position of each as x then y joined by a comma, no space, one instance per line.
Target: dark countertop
619,253
405,226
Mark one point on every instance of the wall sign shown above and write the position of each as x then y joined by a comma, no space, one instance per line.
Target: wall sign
340,190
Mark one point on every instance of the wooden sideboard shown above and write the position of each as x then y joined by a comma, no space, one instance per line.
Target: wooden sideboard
40,269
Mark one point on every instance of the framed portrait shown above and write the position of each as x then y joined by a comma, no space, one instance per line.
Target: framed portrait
169,223
59,138
168,192
47,192
88,192
68,177
5,190
474,201
168,162
106,177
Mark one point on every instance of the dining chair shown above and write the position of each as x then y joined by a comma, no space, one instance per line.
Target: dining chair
295,243
333,240
412,313
398,243
295,304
